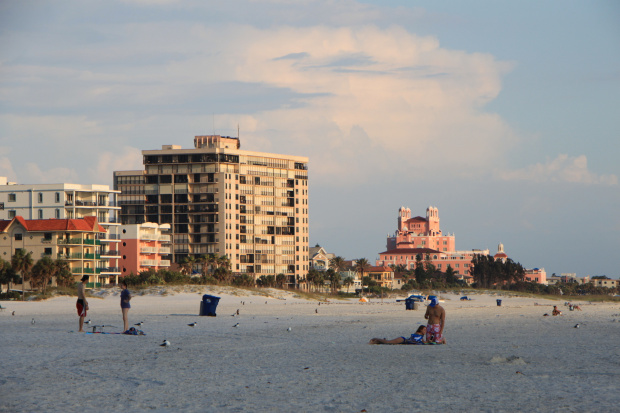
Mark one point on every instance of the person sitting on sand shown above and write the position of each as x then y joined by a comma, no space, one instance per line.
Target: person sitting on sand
576,307
416,338
556,311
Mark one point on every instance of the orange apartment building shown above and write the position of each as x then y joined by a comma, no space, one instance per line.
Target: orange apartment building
144,247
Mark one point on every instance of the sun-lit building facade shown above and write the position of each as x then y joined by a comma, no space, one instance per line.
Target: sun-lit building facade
219,199
144,247
422,236
78,241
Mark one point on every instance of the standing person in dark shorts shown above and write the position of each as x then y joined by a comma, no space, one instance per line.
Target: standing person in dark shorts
82,304
125,306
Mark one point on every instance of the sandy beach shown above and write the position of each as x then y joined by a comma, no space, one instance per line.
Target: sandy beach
507,358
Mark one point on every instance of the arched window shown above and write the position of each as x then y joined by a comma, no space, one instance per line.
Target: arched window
40,214
40,197
57,214
57,197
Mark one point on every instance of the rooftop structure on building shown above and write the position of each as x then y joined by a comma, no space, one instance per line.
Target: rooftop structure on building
64,201
219,199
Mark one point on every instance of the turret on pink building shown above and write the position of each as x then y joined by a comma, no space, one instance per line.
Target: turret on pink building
423,236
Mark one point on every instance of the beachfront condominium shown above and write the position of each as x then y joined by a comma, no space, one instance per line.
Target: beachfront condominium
144,247
78,241
68,201
219,199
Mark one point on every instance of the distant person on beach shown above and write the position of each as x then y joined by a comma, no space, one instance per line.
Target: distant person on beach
556,311
436,316
416,338
125,306
82,304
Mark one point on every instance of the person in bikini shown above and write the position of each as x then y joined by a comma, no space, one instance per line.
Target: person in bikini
436,316
82,304
416,338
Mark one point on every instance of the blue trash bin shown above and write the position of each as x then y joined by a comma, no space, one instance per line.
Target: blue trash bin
409,304
499,303
208,305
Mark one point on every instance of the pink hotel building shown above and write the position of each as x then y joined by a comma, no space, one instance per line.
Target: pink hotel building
423,236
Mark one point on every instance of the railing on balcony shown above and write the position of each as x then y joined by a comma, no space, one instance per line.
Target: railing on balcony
164,263
148,263
92,256
70,241
109,253
148,250
80,270
148,236
92,242
164,251
164,238
109,270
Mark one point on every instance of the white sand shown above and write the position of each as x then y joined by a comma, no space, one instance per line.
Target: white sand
507,358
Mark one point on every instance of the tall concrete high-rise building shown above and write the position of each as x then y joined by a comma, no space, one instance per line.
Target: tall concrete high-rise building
219,199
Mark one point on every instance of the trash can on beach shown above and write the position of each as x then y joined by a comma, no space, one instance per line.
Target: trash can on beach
499,303
208,305
409,304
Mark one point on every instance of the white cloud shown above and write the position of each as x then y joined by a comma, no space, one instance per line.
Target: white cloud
563,168
31,173
123,159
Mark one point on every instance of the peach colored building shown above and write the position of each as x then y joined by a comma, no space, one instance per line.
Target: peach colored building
144,247
76,240
423,236
383,275
537,275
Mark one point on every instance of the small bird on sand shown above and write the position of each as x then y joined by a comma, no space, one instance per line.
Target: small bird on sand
87,322
139,324
13,313
32,322
237,311
577,325
236,325
194,324
166,343
316,310
288,329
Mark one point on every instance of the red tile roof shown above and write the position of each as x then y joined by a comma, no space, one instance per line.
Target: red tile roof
379,269
418,218
86,224
500,255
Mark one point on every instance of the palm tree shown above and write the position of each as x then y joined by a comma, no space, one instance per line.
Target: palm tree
280,280
208,262
7,274
338,264
42,273
22,263
187,265
347,282
64,277
361,266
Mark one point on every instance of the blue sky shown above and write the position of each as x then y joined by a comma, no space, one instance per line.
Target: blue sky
501,114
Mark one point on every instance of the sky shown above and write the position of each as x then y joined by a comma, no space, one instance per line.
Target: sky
503,115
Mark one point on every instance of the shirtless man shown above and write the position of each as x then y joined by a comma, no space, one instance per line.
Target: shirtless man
82,304
436,316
